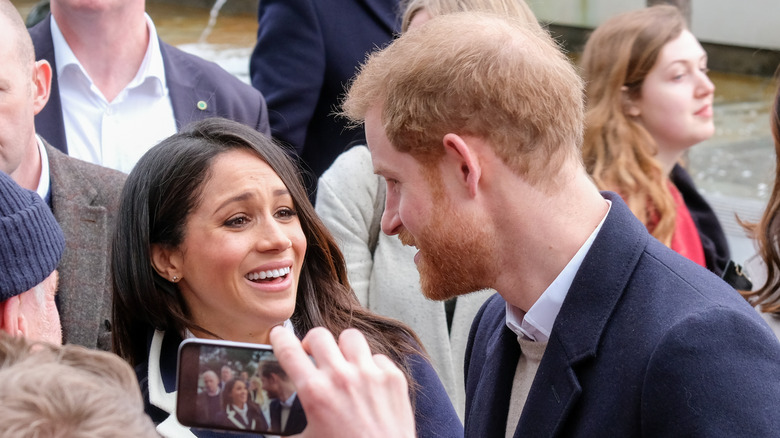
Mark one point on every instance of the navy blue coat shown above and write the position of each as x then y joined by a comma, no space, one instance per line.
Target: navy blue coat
190,80
647,343
307,52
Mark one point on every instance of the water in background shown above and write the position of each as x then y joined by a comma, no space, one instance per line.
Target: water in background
734,169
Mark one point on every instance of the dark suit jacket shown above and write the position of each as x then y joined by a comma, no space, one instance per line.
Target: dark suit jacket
190,80
296,418
307,51
647,343
85,201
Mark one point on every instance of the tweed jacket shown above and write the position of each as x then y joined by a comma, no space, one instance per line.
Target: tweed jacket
190,80
350,201
647,343
306,53
85,201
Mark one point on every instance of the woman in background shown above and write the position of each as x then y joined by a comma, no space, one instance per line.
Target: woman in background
238,411
217,239
649,99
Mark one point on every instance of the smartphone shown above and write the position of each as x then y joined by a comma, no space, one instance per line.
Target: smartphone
235,386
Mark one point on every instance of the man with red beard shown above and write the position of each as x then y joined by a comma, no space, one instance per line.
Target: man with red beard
597,329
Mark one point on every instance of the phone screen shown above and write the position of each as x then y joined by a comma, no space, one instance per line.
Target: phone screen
235,386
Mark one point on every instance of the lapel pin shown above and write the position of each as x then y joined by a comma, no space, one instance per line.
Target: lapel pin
202,105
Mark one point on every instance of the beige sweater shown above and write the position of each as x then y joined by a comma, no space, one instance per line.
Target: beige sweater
530,357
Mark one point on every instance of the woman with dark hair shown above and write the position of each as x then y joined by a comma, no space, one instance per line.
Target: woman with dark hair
766,298
649,99
238,411
217,239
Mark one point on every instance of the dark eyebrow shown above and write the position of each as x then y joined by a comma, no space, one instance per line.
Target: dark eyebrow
239,198
246,195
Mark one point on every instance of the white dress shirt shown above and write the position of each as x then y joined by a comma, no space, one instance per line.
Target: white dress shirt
44,182
113,134
537,324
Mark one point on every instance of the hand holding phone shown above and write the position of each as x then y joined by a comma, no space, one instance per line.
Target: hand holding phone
347,392
236,386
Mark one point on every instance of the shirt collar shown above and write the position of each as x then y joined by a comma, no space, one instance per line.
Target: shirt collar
537,324
151,67
289,402
44,183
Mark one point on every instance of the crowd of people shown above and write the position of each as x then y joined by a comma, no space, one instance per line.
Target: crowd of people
503,243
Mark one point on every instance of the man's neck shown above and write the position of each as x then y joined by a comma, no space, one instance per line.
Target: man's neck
28,174
546,231
109,44
286,394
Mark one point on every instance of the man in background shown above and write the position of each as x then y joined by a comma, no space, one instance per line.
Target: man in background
307,51
31,244
83,197
118,90
210,399
285,407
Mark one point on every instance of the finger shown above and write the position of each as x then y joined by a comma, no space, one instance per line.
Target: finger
390,368
291,355
354,346
319,342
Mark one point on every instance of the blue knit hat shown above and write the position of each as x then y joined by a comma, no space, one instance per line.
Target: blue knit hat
31,241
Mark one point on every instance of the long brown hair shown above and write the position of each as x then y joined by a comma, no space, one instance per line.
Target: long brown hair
164,187
618,151
767,230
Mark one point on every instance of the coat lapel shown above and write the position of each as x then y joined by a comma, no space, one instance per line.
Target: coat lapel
494,387
585,314
86,239
189,99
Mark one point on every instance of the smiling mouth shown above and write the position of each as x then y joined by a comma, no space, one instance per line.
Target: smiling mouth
267,276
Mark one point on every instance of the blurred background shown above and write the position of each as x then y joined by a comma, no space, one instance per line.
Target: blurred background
734,169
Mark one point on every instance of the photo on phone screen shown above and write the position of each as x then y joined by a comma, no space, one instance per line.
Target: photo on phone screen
236,386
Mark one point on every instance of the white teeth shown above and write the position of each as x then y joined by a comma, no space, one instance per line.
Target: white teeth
262,275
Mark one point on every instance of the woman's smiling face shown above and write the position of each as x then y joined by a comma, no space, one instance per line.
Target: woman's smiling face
242,252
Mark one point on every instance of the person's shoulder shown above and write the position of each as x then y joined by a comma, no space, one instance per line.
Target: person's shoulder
355,160
662,268
350,180
209,71
65,167
41,30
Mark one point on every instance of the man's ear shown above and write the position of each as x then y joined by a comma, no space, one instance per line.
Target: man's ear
41,84
11,319
459,152
630,108
167,262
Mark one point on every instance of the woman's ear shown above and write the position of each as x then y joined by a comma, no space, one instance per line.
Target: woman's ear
167,262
